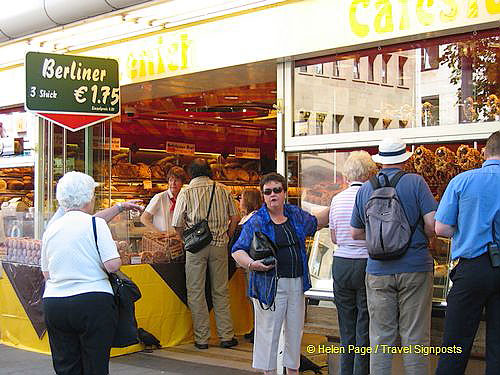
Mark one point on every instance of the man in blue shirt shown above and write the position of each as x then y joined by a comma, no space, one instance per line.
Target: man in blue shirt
468,212
399,291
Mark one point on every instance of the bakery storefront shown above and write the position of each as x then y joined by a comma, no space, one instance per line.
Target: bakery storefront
440,94
250,100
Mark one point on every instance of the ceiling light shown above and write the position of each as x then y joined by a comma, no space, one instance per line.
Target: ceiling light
231,97
189,103
244,110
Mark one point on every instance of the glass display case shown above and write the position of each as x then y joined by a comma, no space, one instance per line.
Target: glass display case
319,178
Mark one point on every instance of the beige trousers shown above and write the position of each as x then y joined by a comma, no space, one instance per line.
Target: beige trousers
215,257
399,305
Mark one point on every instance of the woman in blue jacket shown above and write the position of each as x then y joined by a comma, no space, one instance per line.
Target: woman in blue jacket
277,292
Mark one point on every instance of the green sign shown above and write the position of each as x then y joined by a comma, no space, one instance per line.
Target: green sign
71,84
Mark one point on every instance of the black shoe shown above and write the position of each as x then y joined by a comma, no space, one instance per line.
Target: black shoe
229,343
200,346
249,336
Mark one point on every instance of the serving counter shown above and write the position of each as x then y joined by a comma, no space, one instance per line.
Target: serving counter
162,310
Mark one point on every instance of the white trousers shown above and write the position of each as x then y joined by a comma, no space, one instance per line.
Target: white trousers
290,309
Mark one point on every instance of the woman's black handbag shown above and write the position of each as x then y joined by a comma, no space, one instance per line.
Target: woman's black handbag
199,235
126,294
262,248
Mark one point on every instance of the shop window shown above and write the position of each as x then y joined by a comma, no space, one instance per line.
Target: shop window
335,72
356,71
385,72
465,83
371,60
318,69
372,121
401,69
303,69
320,119
358,121
337,119
430,111
430,57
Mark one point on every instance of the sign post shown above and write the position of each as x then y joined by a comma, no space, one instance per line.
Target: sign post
72,91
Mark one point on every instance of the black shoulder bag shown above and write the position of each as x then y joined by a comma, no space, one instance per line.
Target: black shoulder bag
199,235
126,294
264,250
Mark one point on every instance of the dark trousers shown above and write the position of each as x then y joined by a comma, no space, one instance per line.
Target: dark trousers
350,298
476,286
81,330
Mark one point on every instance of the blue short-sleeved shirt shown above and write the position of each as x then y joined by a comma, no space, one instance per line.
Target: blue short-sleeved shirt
417,201
471,202
260,284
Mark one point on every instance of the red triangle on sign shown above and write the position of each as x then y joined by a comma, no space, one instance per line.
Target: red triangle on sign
74,121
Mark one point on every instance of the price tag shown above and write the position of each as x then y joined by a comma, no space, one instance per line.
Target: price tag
180,148
247,153
148,184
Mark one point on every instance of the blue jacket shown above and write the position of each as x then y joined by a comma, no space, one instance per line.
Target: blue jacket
261,284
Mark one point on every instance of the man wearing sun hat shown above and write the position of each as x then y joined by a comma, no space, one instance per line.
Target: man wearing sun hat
399,291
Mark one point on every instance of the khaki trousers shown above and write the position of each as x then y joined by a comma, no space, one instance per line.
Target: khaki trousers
215,257
399,305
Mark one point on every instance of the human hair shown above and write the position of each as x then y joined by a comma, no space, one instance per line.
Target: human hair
177,172
74,190
493,146
273,177
359,166
251,200
199,167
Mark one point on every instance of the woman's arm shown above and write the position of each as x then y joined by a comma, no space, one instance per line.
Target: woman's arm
113,265
244,260
109,213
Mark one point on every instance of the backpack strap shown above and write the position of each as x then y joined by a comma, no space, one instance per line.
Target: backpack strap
374,182
395,179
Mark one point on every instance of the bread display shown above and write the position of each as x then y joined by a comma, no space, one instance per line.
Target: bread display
164,247
446,164
468,158
15,185
23,250
425,163
3,185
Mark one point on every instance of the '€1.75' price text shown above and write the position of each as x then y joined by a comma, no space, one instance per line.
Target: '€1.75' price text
98,96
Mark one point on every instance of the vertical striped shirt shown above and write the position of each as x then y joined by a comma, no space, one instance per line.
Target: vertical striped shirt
340,223
192,206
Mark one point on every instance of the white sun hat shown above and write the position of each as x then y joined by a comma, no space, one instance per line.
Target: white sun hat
391,150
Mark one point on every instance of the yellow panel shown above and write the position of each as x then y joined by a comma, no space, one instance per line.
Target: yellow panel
159,311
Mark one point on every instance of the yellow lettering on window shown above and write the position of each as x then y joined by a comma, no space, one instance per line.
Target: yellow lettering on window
404,21
383,20
472,9
451,14
357,28
184,51
172,54
493,6
424,17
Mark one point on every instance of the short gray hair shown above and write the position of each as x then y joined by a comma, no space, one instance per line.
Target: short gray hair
74,190
359,166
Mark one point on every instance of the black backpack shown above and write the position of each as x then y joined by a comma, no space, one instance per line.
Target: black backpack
388,232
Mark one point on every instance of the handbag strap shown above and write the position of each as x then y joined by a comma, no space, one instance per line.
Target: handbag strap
94,228
211,199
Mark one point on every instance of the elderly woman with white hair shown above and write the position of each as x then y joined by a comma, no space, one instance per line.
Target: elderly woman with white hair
78,302
349,265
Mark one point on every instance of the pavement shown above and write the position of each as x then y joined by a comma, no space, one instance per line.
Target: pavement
21,362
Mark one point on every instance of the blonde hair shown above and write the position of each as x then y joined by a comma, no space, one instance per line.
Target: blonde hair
359,166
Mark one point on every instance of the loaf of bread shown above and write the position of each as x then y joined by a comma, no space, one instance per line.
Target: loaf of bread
15,185
3,185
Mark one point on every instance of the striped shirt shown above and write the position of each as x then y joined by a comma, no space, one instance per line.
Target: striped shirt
192,207
340,222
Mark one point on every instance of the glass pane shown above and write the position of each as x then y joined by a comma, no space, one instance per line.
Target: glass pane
445,82
316,177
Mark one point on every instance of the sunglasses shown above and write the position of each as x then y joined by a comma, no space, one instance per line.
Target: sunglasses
275,190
